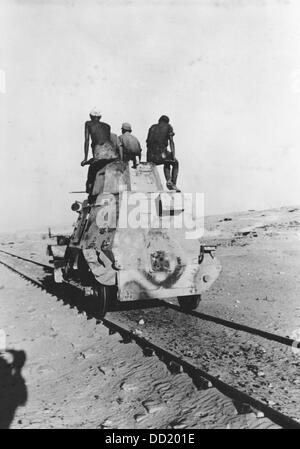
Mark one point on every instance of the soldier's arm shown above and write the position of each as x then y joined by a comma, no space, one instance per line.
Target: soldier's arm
86,144
148,140
140,153
172,145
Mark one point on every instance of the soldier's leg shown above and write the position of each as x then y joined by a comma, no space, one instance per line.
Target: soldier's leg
167,172
133,157
92,172
175,168
90,179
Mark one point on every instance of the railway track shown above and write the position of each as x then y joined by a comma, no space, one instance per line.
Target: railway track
16,256
230,324
201,378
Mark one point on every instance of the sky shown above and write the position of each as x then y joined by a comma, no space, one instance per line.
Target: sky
226,72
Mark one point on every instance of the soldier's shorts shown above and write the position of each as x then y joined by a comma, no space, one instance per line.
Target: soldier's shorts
130,155
160,156
105,151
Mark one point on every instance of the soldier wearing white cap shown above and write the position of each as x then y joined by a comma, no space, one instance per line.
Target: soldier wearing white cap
104,150
129,146
99,132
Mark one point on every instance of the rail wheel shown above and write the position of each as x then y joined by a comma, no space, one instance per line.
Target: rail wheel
106,297
188,303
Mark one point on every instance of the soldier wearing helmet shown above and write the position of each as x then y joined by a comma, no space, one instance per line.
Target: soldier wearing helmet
129,146
159,136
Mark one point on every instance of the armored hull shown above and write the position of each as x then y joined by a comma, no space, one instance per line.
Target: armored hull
130,242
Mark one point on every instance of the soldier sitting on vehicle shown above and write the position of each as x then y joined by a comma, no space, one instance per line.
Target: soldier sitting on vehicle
159,136
104,146
129,146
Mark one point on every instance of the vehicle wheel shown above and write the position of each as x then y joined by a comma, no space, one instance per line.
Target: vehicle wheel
106,298
188,303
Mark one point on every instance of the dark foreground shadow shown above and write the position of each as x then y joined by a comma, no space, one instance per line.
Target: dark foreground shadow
13,391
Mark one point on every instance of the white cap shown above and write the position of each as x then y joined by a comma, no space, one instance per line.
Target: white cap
95,112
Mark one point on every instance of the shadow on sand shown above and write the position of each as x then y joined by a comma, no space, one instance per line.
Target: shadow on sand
13,391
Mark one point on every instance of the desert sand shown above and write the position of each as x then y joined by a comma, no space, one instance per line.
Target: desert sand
73,374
